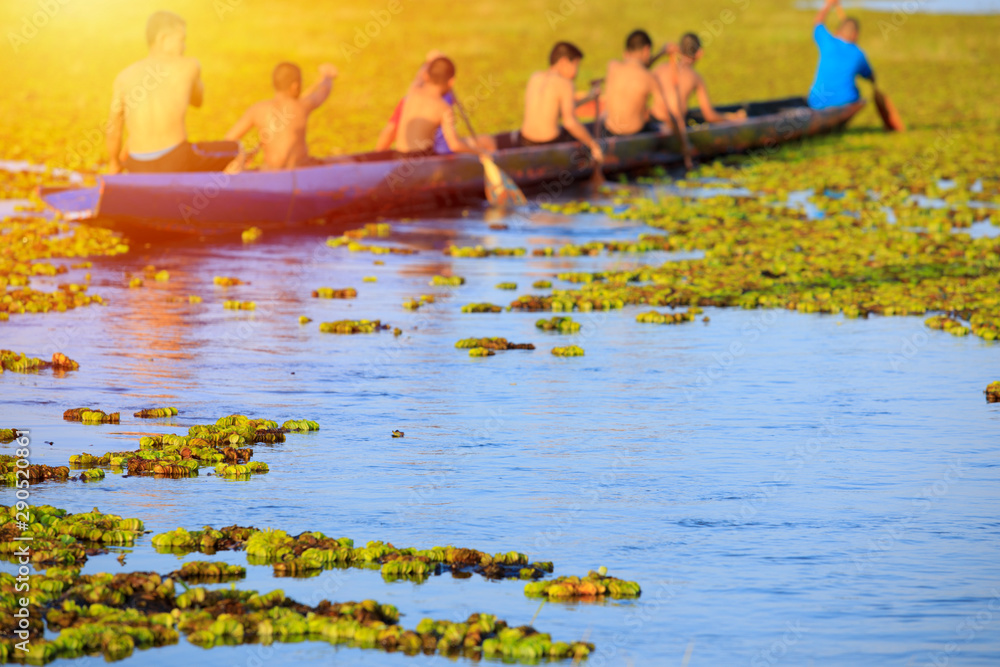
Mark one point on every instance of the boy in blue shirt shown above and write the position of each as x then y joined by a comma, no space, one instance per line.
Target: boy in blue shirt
840,61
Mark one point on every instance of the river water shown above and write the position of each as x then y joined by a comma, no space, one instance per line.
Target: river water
787,488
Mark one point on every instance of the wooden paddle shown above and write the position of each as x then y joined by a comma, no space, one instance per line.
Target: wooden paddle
501,190
891,119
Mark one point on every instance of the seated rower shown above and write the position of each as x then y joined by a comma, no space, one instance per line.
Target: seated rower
425,110
550,98
840,61
627,89
388,134
679,75
169,82
281,121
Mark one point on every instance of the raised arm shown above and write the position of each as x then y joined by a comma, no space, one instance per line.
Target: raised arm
825,11
317,93
667,100
567,109
116,125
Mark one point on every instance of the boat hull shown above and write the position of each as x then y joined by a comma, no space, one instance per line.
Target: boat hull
383,184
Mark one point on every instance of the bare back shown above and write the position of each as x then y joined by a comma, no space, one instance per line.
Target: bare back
423,113
281,126
627,87
544,98
682,78
154,94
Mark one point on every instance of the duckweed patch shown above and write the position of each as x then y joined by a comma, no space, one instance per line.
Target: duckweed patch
352,326
595,584
331,293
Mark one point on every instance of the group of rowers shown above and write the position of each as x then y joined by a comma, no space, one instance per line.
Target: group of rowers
636,98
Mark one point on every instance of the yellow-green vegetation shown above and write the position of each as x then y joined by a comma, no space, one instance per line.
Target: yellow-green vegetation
7,435
542,284
481,308
595,584
494,343
252,235
370,279
645,243
506,285
303,319
352,326
239,305
60,538
331,293
19,362
416,304
992,392
558,324
447,281
91,416
227,281
479,251
149,413
300,425
947,324
481,352
568,351
653,317
36,472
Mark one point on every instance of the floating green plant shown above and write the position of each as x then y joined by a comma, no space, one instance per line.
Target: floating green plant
564,325
481,352
992,392
239,305
36,472
507,286
595,584
654,317
91,416
542,284
252,235
495,343
227,281
300,425
447,281
22,363
352,326
149,413
480,251
947,324
481,308
568,351
331,293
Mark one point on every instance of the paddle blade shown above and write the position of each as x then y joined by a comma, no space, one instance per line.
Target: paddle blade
887,110
501,190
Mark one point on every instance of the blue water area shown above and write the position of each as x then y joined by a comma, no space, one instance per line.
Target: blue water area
788,489
917,6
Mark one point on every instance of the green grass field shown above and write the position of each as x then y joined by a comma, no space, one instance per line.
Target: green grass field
59,79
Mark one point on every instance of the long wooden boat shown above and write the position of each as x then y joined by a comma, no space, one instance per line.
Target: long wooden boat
384,183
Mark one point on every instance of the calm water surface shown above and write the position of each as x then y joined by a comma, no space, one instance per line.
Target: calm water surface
788,489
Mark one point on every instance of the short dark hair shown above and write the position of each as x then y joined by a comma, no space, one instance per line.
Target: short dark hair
638,40
690,44
161,22
850,20
286,74
564,50
441,70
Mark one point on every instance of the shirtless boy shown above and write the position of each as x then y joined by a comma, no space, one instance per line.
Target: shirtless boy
681,76
388,134
281,121
550,98
627,88
150,99
425,110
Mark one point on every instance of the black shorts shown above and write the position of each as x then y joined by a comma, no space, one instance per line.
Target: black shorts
652,125
563,137
207,156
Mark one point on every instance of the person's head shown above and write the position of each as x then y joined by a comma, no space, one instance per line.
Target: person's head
565,58
441,73
849,29
639,45
287,79
166,33
690,46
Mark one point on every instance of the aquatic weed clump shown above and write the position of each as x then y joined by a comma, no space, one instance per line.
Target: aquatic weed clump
60,538
447,281
152,413
331,293
19,362
91,416
352,326
947,324
654,317
992,392
595,584
495,343
558,324
568,351
36,472
481,308
480,252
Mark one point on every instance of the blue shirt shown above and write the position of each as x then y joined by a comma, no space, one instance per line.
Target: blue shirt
440,143
839,63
